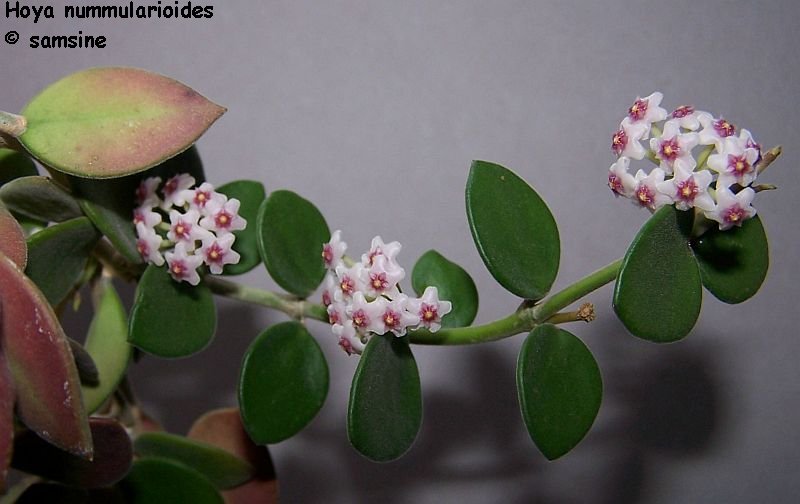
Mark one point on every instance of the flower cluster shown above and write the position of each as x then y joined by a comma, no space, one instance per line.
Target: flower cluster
364,298
717,181
200,228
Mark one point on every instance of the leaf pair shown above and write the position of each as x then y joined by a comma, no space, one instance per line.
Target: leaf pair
658,294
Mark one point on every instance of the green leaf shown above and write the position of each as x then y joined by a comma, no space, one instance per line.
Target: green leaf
221,468
514,231
733,263
41,364
283,383
251,194
40,198
169,318
110,122
107,343
559,388
291,233
112,457
385,410
14,165
155,480
658,294
12,239
453,283
57,256
110,203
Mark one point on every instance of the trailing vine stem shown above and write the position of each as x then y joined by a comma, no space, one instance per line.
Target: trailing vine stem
522,320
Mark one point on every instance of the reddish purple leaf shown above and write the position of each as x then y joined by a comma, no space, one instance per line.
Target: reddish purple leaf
113,454
12,239
6,418
110,122
223,428
42,368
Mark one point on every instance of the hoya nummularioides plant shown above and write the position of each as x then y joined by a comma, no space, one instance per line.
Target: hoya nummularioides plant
154,221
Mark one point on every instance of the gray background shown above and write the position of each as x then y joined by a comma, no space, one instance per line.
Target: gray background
374,110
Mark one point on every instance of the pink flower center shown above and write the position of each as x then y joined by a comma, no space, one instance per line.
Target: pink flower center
429,313
687,190
372,254
644,195
378,281
738,165
682,111
223,219
638,109
391,319
143,248
734,214
171,186
724,128
615,184
618,141
347,285
141,193
201,197
178,269
215,253
326,298
360,319
333,317
346,345
182,230
327,254
669,149
137,217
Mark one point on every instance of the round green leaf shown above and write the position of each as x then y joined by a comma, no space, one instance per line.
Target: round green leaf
291,233
559,389
155,480
733,263
514,231
453,283
221,468
283,383
385,409
40,198
658,292
110,122
107,343
251,194
169,318
57,256
14,165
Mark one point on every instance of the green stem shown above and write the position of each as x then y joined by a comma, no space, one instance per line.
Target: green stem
295,308
574,292
12,125
515,323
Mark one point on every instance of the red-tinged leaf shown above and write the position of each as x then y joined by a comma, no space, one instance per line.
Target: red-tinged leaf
6,419
110,122
12,239
112,459
42,368
223,428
